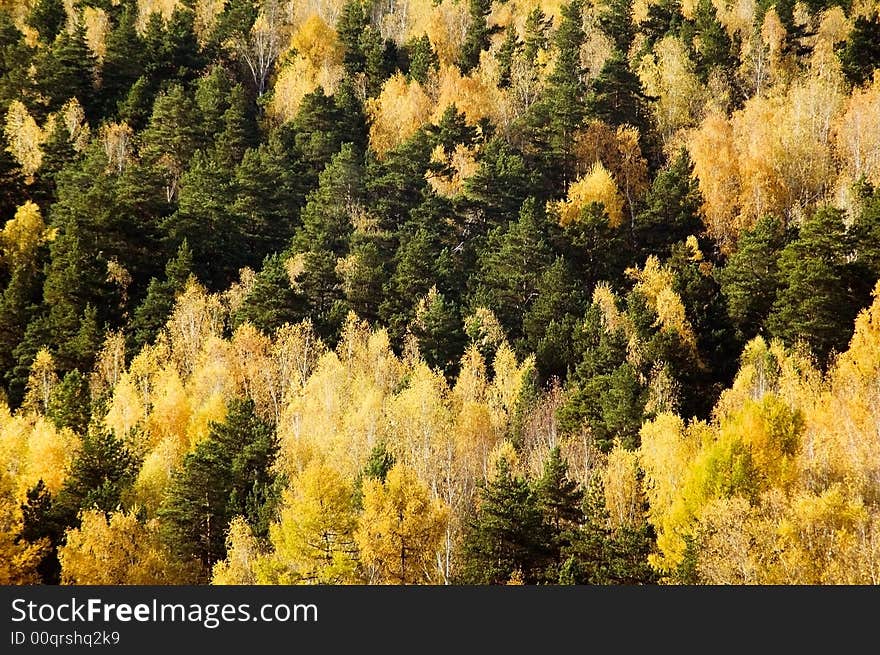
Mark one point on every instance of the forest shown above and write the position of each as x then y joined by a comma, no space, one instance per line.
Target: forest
450,292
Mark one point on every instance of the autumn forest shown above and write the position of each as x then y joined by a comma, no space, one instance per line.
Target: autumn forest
460,292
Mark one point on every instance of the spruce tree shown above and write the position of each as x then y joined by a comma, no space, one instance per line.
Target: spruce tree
510,267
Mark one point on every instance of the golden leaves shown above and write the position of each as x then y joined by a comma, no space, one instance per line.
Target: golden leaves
400,109
597,186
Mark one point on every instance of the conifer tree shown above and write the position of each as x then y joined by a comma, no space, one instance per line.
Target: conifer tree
502,539
227,474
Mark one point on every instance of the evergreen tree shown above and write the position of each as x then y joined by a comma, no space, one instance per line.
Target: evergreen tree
423,59
510,268
18,304
502,540
151,315
565,90
751,279
68,70
602,555
817,303
713,46
123,63
352,22
205,219
559,500
226,475
477,37
860,53
69,403
324,237
40,521
671,210
271,301
616,95
423,260
101,472
48,18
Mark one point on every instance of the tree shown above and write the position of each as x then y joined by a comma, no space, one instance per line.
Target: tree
314,538
327,222
122,64
271,301
101,472
68,405
510,267
118,550
150,316
477,37
559,500
817,304
48,18
227,474
565,89
68,70
204,219
671,210
751,280
401,527
171,138
259,47
860,55
503,537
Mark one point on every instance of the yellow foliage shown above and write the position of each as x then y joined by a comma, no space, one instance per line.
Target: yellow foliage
97,25
446,24
171,411
317,42
399,110
42,379
25,138
669,75
296,80
400,531
18,557
313,540
146,7
22,235
716,167
470,95
155,474
623,497
48,457
657,283
857,139
126,407
118,550
462,164
117,139
597,186
242,553
197,315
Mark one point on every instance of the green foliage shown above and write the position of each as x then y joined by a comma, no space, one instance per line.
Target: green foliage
816,303
751,280
860,53
69,403
271,301
503,539
228,474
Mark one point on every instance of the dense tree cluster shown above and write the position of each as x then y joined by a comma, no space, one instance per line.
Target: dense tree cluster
442,291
